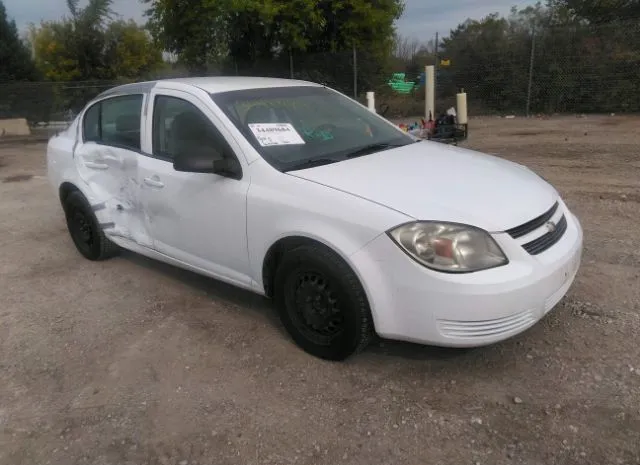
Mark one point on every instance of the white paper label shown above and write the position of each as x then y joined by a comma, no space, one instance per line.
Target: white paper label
269,134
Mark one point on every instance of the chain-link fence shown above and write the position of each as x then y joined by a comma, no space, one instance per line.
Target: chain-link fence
352,72
41,102
580,69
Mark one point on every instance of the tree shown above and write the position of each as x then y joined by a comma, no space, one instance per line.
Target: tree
410,56
579,63
249,30
196,31
405,48
16,67
129,51
598,11
72,49
487,60
15,57
89,46
262,30
55,52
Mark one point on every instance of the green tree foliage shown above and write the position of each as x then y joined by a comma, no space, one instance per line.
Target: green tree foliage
365,24
196,31
16,67
244,31
89,46
55,51
491,54
15,57
597,11
130,52
579,63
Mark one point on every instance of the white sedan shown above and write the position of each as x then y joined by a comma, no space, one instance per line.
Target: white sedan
292,190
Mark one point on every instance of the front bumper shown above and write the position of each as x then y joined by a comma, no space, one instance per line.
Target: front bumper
412,303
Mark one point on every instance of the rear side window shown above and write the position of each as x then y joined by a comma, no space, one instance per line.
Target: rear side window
91,125
114,121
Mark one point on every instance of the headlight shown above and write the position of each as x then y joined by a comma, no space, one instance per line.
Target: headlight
449,247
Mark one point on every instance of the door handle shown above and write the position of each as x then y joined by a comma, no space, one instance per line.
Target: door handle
96,166
153,182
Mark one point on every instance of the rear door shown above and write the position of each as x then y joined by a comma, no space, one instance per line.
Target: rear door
106,157
197,218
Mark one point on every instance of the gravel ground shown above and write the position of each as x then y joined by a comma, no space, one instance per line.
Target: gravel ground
130,361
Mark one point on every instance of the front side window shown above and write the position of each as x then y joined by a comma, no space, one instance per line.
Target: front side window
180,127
303,126
115,121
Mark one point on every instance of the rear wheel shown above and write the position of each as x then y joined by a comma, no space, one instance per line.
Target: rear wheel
322,303
85,231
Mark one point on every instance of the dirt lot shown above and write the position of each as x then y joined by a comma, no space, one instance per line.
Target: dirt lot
131,362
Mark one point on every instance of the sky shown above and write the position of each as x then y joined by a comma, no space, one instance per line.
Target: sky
421,18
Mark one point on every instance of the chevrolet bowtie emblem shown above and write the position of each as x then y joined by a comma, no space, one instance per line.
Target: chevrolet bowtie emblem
551,226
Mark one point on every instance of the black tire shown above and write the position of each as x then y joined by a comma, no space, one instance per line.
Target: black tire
322,303
86,233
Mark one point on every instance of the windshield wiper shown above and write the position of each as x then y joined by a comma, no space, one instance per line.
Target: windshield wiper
366,150
372,148
311,163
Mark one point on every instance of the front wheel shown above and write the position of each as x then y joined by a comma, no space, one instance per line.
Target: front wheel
322,303
85,231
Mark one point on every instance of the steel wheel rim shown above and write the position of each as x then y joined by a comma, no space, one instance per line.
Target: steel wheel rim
317,312
82,229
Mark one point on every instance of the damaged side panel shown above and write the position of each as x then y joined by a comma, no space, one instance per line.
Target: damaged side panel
111,175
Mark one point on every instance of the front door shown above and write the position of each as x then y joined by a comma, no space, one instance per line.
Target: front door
196,218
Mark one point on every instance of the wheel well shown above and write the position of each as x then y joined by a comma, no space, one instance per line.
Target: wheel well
275,254
65,189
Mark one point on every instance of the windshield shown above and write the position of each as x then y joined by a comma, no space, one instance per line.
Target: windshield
300,127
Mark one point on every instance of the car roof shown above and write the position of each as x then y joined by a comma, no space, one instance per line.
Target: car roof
212,85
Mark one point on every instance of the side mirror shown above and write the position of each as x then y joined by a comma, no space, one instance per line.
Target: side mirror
206,160
229,167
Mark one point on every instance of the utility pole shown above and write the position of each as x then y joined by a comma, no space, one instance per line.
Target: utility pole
435,72
355,73
290,63
533,53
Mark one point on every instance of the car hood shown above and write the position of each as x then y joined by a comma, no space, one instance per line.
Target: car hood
434,181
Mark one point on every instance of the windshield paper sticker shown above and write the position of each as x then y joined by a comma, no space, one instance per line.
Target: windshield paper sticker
269,134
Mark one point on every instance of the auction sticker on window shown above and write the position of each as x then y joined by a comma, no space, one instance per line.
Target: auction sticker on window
269,134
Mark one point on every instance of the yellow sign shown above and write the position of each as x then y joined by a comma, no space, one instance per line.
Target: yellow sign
444,62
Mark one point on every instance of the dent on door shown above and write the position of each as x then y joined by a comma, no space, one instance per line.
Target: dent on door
111,175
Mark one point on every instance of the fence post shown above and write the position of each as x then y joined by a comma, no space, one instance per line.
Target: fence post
355,73
291,63
430,93
437,60
371,101
533,52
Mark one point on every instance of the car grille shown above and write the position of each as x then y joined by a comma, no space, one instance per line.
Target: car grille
534,224
545,241
487,328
